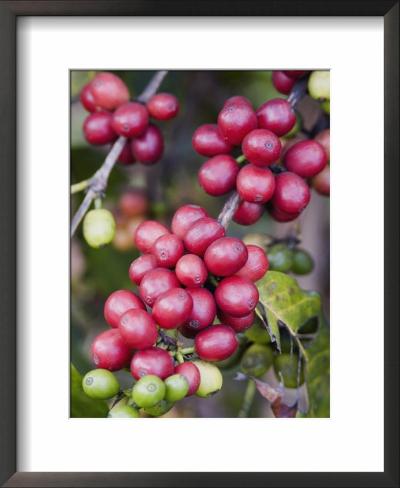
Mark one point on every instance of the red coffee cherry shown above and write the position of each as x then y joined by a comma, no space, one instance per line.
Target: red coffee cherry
147,233
277,116
236,119
109,91
118,303
156,282
140,266
109,351
185,217
225,256
294,74
248,213
306,158
324,138
201,234
208,141
191,271
255,184
172,308
126,156
133,202
86,98
282,82
292,194
192,374
257,264
138,329
130,119
155,361
281,216
187,332
217,176
163,106
236,296
238,324
261,147
149,147
97,129
321,182
216,343
203,311
168,249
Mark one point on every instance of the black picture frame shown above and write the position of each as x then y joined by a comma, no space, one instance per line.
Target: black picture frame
9,13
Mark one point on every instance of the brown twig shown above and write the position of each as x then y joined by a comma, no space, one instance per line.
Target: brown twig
229,209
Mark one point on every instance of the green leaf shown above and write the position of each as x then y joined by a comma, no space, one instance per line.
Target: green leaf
81,406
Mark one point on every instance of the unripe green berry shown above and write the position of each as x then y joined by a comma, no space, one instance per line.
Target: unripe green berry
287,369
100,384
302,262
257,360
326,106
160,409
177,387
319,85
280,258
148,391
122,410
98,227
210,379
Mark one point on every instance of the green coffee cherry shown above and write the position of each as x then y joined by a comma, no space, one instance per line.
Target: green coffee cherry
177,387
319,85
210,379
280,258
302,262
257,360
326,106
100,384
160,409
286,369
148,391
122,410
98,227
258,334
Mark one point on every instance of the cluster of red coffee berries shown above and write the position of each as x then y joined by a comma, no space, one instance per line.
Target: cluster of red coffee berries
113,114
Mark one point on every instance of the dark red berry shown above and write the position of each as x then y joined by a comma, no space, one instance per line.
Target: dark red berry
185,217
324,138
97,129
282,82
118,303
163,106
156,282
292,194
126,156
216,343
130,119
147,233
236,296
109,91
257,264
168,249
321,182
306,158
238,324
138,329
236,119
255,184
208,141
172,308
295,74
191,271
86,98
261,147
133,203
248,213
203,311
225,256
109,351
277,116
149,147
155,361
217,176
140,266
192,374
201,234
188,332
281,216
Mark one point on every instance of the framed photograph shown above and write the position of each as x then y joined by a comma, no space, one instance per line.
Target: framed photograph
199,247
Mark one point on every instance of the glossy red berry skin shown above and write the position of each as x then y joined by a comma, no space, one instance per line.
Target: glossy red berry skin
147,233
208,141
294,74
225,256
109,91
201,234
97,129
321,182
110,351
277,116
306,158
282,82
216,343
192,374
185,217
255,184
281,216
126,156
86,98
238,324
292,193
168,249
191,271
236,296
261,147
324,139
130,119
155,361
138,329
118,303
149,147
248,213
140,266
236,119
156,282
203,311
163,106
172,308
217,176
257,264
